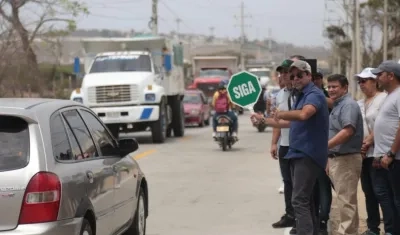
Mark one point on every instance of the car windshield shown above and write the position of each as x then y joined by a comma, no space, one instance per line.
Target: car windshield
121,63
261,73
192,99
214,72
14,143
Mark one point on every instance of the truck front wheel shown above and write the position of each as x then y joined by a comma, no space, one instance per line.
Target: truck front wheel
178,120
159,127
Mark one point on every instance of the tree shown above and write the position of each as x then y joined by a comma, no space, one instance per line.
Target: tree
54,18
371,24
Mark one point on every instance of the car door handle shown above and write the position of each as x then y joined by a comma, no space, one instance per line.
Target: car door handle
90,176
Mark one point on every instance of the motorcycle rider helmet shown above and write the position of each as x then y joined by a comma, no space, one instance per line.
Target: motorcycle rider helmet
223,84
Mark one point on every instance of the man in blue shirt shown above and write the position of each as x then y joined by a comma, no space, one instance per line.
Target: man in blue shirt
308,144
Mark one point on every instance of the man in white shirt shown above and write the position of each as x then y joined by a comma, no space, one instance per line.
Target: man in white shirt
387,135
281,134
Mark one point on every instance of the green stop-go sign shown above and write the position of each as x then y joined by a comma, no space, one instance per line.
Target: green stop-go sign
244,89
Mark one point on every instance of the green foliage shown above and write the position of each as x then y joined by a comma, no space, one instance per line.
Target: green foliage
333,32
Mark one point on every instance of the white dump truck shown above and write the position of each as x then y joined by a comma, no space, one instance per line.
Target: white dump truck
134,84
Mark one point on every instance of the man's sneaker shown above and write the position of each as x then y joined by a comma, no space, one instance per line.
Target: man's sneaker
285,222
281,189
323,228
214,135
293,231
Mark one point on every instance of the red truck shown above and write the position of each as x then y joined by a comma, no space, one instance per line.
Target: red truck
209,71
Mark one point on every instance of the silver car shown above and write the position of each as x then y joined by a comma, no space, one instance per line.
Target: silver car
63,173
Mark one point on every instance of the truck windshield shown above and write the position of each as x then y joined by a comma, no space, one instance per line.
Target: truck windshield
121,63
214,72
261,73
192,99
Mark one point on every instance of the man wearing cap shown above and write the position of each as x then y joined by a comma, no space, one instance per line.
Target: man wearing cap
345,161
307,144
387,134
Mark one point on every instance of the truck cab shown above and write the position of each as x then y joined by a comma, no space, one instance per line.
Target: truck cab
134,84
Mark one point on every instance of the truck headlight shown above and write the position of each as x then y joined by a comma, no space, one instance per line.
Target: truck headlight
78,99
150,97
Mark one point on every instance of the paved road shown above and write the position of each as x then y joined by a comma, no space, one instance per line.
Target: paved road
197,189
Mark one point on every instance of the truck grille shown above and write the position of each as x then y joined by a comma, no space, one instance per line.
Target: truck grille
112,94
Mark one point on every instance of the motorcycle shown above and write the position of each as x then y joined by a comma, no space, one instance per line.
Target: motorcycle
224,132
260,125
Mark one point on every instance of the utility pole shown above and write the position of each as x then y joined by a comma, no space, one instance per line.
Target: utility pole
178,22
270,44
212,28
358,37
242,35
385,29
353,49
153,24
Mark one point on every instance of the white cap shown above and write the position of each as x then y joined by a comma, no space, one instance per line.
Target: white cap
366,73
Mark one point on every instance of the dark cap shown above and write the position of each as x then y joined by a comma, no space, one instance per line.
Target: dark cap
389,66
285,65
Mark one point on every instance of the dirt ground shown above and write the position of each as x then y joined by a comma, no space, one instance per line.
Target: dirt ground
361,211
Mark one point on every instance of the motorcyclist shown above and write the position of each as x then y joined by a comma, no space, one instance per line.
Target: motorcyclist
218,104
261,105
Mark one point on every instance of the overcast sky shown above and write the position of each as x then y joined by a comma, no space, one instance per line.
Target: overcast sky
299,22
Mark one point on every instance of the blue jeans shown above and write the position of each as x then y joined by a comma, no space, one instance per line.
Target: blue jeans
371,201
231,115
394,176
385,195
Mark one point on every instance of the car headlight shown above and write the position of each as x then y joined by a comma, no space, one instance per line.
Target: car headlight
78,99
150,97
195,111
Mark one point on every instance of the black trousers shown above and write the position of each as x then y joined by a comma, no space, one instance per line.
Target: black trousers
287,180
305,195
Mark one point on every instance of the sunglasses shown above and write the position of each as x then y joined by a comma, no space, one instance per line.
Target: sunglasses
362,81
298,75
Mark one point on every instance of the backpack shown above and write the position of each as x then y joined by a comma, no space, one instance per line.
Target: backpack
222,103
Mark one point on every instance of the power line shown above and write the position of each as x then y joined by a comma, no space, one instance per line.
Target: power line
176,15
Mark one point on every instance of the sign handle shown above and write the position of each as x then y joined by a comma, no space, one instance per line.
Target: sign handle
250,108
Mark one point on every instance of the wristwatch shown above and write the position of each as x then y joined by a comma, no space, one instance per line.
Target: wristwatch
391,154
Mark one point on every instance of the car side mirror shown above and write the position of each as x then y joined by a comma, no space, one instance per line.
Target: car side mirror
127,146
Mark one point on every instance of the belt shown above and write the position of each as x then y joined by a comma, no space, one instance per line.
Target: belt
333,155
